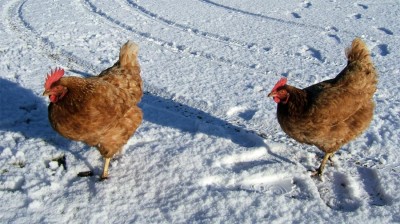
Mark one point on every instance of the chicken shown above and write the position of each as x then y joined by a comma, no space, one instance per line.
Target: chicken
100,111
331,113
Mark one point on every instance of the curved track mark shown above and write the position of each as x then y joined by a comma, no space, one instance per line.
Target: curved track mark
264,17
188,29
169,45
18,24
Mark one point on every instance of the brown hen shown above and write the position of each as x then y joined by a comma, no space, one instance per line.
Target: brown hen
331,113
100,111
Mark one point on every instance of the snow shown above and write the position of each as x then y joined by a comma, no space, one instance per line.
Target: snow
210,149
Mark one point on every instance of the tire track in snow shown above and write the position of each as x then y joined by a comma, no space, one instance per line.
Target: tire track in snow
265,17
252,47
91,7
259,15
189,51
16,22
188,29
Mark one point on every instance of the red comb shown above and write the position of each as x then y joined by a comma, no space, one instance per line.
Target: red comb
280,83
53,77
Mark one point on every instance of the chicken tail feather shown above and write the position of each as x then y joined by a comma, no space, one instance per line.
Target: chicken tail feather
128,54
358,51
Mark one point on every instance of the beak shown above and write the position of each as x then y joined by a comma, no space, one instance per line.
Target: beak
272,94
46,93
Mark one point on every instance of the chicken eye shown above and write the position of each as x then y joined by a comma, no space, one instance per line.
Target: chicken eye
59,88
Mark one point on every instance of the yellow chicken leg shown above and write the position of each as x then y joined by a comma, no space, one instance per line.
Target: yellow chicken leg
105,169
323,163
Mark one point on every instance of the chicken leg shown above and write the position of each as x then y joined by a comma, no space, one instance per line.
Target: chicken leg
321,168
105,169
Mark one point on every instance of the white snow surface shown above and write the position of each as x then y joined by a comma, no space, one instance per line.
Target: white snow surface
209,149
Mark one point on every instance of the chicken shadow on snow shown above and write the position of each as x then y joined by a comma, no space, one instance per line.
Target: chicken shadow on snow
25,112
22,111
170,113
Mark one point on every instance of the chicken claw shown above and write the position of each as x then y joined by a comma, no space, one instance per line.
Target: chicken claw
320,170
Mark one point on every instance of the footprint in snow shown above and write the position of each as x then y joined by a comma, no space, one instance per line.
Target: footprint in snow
374,192
335,37
385,30
355,16
307,5
307,51
242,112
363,6
249,175
266,184
11,182
348,192
296,15
382,49
337,191
332,29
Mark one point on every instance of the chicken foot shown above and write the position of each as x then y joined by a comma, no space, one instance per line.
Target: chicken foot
319,171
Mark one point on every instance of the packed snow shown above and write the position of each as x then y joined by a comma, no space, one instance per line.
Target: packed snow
210,149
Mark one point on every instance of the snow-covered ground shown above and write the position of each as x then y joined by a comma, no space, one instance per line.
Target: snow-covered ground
210,149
